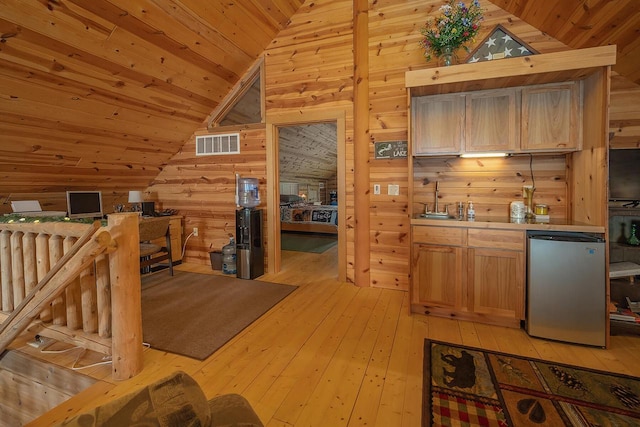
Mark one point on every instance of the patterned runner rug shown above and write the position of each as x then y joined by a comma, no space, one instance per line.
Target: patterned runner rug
466,386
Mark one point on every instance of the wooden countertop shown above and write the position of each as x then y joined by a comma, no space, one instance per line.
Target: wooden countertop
506,224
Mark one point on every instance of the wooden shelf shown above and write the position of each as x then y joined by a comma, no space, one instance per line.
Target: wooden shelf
570,65
620,211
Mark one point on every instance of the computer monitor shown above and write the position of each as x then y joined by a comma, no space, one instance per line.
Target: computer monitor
84,204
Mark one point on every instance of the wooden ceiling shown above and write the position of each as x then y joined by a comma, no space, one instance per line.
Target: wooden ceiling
109,90
113,88
587,23
308,152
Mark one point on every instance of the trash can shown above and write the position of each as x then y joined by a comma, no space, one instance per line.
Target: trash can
216,260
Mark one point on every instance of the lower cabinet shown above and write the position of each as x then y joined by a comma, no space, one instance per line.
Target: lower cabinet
439,273
472,274
496,282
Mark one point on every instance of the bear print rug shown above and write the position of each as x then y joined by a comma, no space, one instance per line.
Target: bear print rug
466,386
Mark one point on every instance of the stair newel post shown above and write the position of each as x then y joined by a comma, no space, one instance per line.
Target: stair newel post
126,302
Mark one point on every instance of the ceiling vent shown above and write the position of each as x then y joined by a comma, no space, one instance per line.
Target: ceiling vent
207,145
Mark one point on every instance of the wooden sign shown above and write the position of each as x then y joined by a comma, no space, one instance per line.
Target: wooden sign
391,150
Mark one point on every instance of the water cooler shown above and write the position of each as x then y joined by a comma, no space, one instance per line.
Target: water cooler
249,244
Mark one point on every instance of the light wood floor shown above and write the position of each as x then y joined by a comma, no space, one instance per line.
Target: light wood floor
332,354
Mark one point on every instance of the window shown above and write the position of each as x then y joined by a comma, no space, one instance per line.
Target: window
243,105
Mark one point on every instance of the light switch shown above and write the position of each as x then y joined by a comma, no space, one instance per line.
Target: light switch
393,190
376,188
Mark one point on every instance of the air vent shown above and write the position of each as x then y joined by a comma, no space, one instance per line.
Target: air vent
208,145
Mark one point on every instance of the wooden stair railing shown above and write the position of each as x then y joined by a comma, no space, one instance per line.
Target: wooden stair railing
91,295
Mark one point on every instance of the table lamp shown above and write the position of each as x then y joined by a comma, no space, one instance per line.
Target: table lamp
135,197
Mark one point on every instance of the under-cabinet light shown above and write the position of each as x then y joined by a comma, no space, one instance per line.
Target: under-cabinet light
475,155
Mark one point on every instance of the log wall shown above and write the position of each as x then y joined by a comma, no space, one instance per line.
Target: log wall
309,66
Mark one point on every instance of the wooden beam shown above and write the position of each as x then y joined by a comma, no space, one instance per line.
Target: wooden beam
361,245
547,68
126,298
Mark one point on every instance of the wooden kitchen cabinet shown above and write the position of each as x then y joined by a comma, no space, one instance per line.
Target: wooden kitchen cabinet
540,118
438,274
496,282
551,118
438,124
469,273
496,273
491,121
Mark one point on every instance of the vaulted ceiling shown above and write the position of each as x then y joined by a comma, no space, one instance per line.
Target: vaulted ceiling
88,86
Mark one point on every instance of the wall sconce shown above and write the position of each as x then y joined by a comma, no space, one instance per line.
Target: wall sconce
135,198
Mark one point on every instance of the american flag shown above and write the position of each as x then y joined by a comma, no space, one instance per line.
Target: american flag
499,44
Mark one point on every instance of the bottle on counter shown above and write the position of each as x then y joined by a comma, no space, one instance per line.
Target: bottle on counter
460,210
471,212
229,257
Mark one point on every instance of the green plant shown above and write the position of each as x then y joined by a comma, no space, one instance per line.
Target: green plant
456,25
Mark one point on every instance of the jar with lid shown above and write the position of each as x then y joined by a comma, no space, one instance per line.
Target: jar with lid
517,209
542,209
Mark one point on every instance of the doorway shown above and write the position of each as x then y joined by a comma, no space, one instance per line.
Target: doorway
305,163
308,185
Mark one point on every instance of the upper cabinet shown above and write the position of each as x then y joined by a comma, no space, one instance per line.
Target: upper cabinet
551,118
514,120
491,123
438,124
515,105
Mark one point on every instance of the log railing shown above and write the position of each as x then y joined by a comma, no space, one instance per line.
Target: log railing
77,283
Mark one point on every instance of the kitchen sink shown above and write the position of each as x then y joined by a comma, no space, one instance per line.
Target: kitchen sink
433,215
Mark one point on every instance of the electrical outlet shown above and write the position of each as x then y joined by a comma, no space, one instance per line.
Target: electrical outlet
376,188
393,190
40,342
195,231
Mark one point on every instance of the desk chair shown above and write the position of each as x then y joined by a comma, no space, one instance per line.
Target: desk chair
151,229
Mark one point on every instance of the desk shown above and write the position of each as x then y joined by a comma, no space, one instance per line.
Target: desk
175,227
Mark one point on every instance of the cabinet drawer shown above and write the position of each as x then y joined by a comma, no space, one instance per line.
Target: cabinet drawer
496,239
453,236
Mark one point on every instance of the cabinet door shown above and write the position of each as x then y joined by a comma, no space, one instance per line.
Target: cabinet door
437,124
438,274
550,118
491,121
496,282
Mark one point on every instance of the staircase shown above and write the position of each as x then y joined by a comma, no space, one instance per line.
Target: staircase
29,387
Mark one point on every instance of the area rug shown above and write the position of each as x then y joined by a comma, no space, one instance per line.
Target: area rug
316,243
195,314
466,386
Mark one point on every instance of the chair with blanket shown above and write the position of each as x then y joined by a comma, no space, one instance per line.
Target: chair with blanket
152,253
174,401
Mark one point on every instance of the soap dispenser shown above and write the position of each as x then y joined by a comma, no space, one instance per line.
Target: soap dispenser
471,213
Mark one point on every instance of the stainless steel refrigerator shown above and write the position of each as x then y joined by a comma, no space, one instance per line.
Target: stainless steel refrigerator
566,287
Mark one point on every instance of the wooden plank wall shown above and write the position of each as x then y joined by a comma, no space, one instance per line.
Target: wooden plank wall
624,114
202,189
309,66
394,33
491,183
